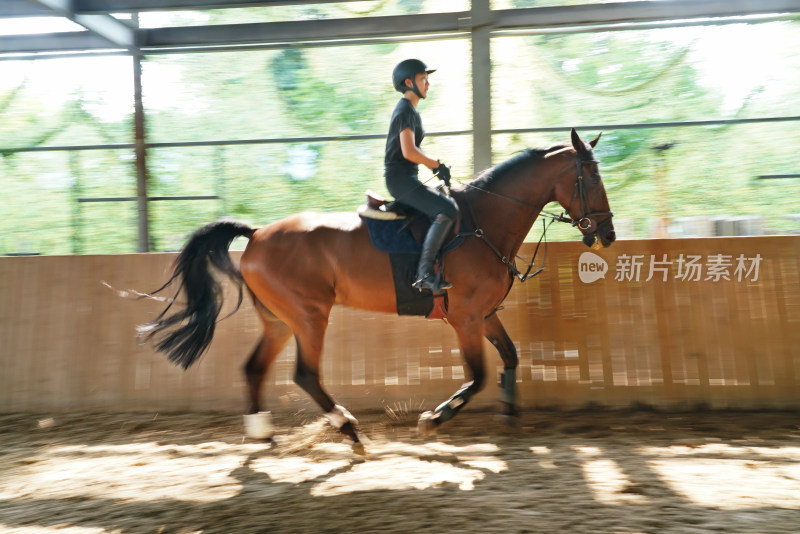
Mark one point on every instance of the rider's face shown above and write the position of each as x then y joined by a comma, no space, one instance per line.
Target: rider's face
422,83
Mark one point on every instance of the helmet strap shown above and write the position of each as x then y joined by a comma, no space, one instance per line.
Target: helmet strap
414,87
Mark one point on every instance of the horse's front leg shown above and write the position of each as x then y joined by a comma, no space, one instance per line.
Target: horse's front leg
497,336
470,337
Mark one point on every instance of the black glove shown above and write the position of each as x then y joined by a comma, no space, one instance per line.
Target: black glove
443,173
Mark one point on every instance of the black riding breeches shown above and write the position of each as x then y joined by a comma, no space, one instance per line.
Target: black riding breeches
411,192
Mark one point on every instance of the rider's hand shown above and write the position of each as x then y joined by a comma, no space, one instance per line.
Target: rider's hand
443,173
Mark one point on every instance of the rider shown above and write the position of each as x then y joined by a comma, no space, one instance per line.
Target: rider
403,156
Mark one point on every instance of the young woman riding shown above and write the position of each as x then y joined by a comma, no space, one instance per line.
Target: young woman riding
401,169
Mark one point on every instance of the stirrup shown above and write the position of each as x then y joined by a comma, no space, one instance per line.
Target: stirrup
433,282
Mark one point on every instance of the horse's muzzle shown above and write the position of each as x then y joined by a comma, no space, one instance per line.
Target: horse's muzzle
606,233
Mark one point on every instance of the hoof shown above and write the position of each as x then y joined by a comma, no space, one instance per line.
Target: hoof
349,430
358,448
426,424
509,409
259,426
510,421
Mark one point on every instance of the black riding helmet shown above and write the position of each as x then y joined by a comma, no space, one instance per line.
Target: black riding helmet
408,69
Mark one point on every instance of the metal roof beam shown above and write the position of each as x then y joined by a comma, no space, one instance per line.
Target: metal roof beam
643,10
52,42
117,33
122,6
444,23
306,30
22,8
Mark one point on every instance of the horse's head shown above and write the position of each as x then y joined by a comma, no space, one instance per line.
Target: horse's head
581,193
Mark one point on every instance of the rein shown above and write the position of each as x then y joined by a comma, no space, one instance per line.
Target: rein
512,266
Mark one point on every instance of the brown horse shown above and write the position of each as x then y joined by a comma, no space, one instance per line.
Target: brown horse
297,268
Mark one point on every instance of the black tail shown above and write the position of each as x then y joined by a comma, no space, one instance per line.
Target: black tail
186,334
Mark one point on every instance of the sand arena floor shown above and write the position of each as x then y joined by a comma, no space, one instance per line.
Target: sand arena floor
614,472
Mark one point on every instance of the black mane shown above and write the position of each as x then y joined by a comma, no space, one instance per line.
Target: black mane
528,156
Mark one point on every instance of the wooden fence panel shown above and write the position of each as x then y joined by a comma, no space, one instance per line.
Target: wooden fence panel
667,323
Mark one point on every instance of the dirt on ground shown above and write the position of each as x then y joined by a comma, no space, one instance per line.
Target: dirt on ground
614,472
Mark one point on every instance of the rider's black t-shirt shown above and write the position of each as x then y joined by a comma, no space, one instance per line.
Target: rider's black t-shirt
404,116
402,176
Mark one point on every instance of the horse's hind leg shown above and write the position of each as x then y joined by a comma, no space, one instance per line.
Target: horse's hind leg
309,352
497,336
276,334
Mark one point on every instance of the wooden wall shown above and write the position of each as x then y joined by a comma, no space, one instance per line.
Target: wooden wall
664,328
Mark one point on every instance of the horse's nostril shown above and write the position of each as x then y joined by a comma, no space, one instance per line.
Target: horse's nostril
611,235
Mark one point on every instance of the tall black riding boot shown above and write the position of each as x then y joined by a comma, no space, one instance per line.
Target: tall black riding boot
426,278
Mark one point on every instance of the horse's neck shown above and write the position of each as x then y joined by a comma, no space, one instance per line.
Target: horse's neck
507,212
508,226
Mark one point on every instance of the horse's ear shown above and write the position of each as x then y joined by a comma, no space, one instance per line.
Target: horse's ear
577,143
594,141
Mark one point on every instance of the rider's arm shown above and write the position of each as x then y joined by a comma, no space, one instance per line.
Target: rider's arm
412,152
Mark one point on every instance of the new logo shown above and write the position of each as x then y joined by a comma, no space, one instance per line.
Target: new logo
591,267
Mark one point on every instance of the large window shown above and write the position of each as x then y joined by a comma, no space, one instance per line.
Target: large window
284,107
691,118
50,197
672,179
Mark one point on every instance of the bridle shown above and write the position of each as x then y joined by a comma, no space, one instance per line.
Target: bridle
585,223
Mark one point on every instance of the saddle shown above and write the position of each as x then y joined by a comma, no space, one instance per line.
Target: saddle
406,218
399,231
398,228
